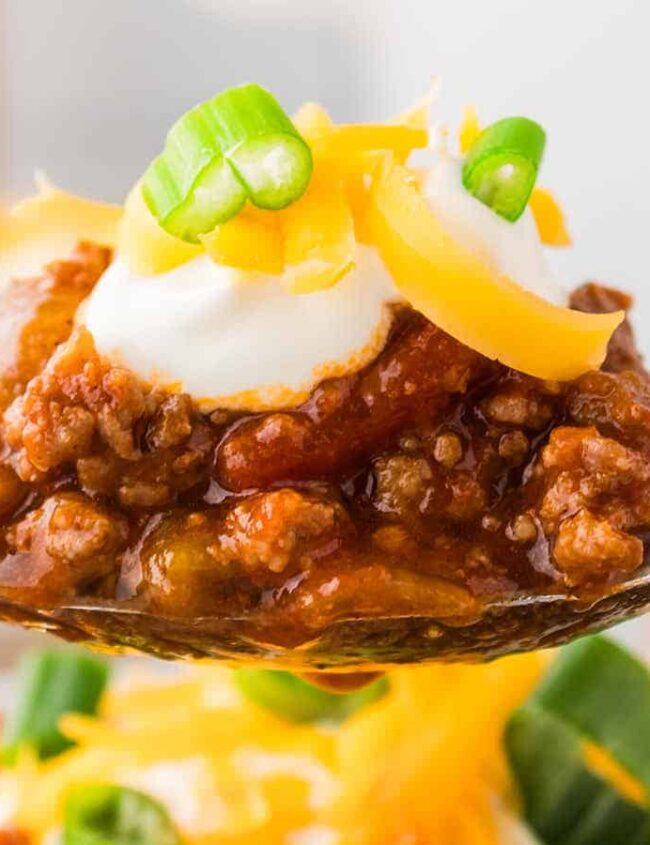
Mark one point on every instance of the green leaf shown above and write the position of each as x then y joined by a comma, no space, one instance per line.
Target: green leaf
594,691
50,684
107,814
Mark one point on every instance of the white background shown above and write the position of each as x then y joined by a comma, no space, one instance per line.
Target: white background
88,88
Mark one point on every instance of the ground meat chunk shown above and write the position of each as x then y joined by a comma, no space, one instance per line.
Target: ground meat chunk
617,404
514,447
345,421
79,531
74,540
265,536
468,497
595,495
588,548
172,423
622,353
402,482
520,402
51,434
429,482
523,529
585,469
448,449
77,395
36,315
271,530
416,491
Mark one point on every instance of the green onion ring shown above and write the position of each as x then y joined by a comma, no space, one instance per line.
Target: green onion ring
298,701
501,166
239,145
107,814
52,683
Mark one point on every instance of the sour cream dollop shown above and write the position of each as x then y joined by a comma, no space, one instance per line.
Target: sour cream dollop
241,341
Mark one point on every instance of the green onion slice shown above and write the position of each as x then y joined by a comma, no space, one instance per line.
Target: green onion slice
239,145
51,684
296,700
501,166
595,692
104,814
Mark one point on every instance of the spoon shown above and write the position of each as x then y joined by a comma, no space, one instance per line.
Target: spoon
515,623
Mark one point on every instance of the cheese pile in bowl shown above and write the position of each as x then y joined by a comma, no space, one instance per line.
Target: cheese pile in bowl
228,771
453,754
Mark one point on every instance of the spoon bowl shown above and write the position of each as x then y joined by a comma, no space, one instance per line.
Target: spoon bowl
513,624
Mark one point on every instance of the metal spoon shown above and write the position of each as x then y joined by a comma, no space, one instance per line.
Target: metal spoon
516,623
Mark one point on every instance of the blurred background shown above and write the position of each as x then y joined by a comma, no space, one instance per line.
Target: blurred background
88,89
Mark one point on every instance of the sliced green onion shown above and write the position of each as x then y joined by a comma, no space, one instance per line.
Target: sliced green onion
51,684
104,814
501,166
239,145
594,691
199,207
296,700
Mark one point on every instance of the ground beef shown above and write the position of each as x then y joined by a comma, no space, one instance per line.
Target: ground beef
427,484
588,548
279,533
347,420
66,545
595,499
36,315
596,299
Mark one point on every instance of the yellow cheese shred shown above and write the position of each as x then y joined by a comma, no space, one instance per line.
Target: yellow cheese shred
145,246
470,128
549,217
457,291
603,764
319,240
47,227
250,241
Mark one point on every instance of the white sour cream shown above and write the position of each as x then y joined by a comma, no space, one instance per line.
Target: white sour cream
241,341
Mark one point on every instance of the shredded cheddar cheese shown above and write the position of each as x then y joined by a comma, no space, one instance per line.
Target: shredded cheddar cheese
47,227
230,773
146,247
251,241
318,236
603,764
470,128
463,295
362,191
549,218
